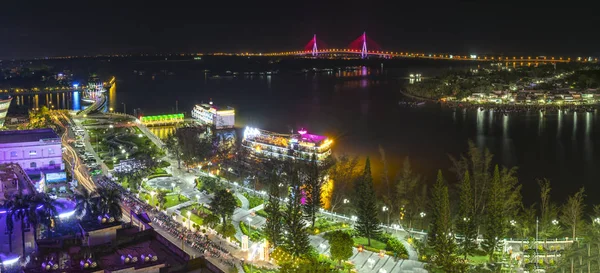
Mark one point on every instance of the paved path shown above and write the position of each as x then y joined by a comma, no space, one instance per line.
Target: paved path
243,199
370,262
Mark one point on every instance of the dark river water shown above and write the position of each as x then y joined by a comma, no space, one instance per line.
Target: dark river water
359,109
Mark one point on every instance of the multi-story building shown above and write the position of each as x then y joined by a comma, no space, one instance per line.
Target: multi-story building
301,146
35,150
220,117
4,104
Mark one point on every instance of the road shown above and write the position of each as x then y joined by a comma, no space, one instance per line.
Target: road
79,170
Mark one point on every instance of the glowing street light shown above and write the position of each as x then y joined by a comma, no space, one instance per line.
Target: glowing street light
152,193
189,214
384,209
346,201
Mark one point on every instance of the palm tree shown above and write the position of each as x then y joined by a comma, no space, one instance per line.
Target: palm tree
108,202
85,205
45,213
18,207
172,145
10,225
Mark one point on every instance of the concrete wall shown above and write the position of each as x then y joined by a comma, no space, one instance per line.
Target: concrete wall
103,236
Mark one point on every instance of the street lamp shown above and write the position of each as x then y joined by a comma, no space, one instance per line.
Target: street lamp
555,222
384,209
346,201
249,226
422,214
189,214
152,193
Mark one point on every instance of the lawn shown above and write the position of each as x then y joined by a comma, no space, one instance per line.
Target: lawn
478,259
172,200
195,218
374,243
254,201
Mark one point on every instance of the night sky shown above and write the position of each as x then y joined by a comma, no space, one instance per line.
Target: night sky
59,28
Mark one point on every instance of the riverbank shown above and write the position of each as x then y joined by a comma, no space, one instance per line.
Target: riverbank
416,97
516,108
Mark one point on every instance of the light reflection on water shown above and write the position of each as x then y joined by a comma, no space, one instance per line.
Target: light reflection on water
162,131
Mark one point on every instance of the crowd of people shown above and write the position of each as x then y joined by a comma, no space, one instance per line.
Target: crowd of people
194,239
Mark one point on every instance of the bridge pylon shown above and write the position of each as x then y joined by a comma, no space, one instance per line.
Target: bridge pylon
363,50
314,47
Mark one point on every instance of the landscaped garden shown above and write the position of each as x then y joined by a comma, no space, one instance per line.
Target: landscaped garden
253,201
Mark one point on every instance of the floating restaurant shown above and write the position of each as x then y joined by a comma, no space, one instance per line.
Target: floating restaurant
301,146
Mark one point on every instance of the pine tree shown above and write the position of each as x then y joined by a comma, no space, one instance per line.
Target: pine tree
440,234
367,224
407,202
465,223
313,185
273,225
296,240
495,222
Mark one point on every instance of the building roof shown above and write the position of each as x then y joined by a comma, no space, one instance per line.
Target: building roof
17,136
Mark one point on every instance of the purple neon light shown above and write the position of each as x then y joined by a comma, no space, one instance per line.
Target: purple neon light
314,48
363,51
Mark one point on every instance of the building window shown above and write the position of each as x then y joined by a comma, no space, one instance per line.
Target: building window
13,154
31,153
32,165
50,151
51,163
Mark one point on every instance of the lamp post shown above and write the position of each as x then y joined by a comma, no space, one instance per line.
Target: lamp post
189,214
422,214
537,222
249,226
386,209
152,193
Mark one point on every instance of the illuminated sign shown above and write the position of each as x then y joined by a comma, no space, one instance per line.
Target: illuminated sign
163,118
56,177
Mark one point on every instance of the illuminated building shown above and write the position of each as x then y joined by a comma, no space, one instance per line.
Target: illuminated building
220,117
283,146
4,104
35,150
162,119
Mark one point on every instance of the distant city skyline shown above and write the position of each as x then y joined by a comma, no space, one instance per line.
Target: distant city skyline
82,28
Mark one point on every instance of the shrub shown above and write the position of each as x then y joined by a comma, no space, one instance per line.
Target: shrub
229,230
164,164
396,246
159,175
262,213
243,228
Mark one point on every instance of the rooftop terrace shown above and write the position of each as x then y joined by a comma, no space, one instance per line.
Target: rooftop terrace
18,136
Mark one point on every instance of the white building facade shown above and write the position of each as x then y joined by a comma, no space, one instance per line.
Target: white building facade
220,117
34,150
